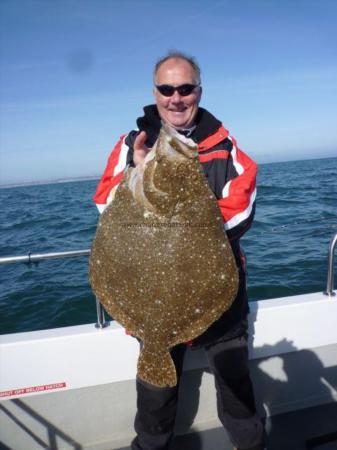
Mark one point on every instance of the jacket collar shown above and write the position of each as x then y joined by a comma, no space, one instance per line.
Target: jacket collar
207,126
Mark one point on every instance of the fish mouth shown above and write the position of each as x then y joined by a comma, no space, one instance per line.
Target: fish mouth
180,143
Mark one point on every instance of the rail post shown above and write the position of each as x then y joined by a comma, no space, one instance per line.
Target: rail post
329,283
101,322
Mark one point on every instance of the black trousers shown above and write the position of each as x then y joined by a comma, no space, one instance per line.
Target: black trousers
157,407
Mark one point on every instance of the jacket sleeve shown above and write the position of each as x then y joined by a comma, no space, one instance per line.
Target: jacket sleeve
113,174
237,200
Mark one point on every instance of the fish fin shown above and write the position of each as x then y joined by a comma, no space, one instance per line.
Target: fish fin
156,368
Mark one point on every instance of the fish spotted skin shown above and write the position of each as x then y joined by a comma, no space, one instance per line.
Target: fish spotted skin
161,263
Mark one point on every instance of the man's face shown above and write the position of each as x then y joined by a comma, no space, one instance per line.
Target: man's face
178,111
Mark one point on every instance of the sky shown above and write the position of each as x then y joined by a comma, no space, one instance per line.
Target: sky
76,74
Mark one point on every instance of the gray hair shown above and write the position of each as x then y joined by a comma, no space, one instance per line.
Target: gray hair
174,54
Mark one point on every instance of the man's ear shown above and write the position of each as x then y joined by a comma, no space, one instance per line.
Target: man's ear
200,92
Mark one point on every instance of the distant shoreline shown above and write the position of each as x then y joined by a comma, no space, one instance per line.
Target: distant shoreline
97,177
53,181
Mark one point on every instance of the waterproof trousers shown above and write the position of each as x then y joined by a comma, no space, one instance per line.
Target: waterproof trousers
157,407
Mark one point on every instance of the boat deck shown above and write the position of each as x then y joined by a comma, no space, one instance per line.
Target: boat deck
312,428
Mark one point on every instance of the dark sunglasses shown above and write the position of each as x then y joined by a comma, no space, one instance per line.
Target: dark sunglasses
184,89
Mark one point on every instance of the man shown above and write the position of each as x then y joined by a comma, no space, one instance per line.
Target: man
231,176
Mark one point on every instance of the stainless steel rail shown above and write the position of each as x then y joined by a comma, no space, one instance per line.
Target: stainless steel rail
329,283
101,322
37,257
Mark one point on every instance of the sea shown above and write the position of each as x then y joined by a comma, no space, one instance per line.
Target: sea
286,247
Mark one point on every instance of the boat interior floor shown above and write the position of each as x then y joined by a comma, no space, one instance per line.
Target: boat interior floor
312,428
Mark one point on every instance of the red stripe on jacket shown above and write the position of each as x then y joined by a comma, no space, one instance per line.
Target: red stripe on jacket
241,188
213,140
109,180
217,154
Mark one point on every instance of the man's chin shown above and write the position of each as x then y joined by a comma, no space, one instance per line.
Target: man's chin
179,122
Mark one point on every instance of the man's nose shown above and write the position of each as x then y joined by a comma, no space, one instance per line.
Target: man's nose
176,97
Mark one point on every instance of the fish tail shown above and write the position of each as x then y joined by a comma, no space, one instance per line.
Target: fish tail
156,368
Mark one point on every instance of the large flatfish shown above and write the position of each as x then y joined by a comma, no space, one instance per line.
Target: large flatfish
160,262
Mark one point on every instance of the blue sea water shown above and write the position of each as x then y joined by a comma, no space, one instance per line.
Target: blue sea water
286,247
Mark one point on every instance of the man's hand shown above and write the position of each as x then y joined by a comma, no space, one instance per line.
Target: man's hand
139,149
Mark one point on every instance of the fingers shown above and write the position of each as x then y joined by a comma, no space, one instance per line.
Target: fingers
140,141
140,149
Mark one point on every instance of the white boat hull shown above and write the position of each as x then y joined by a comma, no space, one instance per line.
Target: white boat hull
74,387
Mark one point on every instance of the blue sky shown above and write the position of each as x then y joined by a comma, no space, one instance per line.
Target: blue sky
76,74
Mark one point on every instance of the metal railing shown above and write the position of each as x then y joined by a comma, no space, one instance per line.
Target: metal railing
329,283
37,257
101,322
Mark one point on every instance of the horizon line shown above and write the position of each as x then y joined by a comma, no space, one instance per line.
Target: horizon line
97,177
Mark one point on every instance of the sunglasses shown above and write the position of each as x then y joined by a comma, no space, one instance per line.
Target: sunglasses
184,89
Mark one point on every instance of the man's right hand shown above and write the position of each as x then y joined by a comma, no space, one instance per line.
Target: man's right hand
140,150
